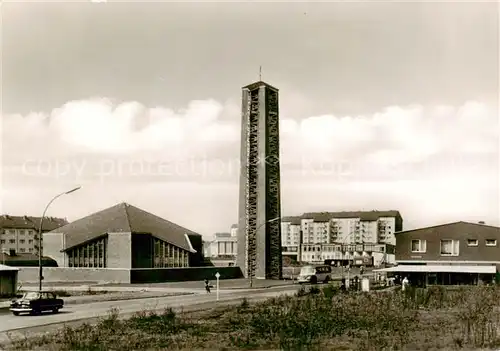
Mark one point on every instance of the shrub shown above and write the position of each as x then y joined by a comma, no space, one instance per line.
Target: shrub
301,292
416,318
314,290
329,291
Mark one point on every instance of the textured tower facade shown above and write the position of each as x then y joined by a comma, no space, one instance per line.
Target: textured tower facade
259,227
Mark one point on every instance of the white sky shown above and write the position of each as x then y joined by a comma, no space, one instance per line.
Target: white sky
383,106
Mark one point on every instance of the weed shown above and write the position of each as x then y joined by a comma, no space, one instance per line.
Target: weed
317,319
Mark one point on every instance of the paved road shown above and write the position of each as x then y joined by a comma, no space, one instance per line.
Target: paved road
69,313
223,284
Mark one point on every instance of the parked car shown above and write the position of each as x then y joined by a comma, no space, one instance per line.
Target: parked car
315,274
36,303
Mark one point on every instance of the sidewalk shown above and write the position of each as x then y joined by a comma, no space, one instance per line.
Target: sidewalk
226,284
114,288
117,296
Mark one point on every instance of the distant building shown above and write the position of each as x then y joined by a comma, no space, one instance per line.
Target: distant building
452,253
16,259
291,237
361,237
20,233
290,231
123,236
234,230
351,227
224,246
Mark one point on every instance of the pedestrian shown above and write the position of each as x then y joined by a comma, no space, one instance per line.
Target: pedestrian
207,286
404,283
356,283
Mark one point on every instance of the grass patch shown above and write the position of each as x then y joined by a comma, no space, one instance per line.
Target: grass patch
315,319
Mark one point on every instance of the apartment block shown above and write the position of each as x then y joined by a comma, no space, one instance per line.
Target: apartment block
20,233
342,237
351,227
290,231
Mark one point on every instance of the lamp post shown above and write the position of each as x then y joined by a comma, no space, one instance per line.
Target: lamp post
251,263
40,273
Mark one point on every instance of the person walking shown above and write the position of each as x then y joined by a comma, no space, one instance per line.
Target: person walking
405,283
207,286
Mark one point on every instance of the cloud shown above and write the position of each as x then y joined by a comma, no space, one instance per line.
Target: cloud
85,135
400,157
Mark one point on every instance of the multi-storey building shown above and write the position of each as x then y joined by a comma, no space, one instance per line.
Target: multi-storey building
453,253
290,231
234,230
351,227
291,237
19,234
333,236
224,246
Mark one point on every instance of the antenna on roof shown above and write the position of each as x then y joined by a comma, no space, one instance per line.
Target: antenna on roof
260,73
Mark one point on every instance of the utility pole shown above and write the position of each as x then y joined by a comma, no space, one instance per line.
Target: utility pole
40,229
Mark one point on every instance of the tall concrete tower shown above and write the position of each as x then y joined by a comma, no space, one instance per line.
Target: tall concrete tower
259,227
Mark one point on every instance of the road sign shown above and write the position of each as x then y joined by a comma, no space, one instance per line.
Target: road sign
217,275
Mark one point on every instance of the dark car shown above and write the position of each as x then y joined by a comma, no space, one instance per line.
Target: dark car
36,302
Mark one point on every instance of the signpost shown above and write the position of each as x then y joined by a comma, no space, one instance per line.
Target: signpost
217,276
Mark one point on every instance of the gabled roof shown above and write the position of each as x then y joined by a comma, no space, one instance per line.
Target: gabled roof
124,218
458,224
29,222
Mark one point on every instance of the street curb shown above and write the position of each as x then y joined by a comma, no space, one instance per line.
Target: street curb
6,305
24,334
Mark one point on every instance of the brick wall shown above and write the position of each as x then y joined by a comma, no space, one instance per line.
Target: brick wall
137,276
456,231
159,275
119,250
66,274
53,243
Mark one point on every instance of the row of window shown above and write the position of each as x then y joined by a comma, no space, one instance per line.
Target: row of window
91,255
22,249
13,241
21,232
448,247
167,255
345,248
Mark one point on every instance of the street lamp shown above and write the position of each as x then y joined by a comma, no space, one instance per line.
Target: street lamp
256,230
40,275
